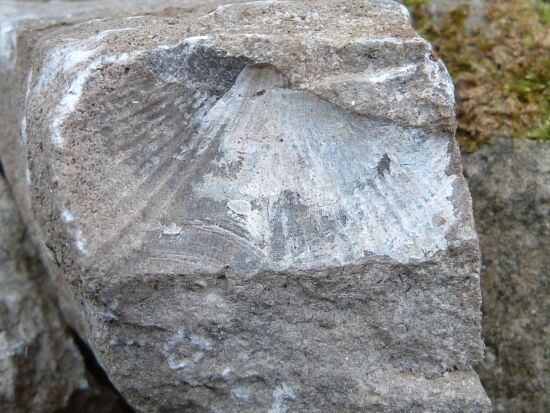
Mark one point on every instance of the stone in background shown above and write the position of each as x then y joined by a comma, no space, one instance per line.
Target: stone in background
510,185
476,9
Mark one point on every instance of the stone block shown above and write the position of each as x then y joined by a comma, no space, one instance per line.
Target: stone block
251,207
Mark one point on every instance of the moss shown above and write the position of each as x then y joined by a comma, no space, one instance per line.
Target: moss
501,73
543,10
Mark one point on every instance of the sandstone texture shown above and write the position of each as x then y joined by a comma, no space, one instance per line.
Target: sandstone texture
510,184
41,368
251,207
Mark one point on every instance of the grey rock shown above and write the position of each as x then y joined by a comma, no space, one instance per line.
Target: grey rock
41,368
510,184
252,207
476,11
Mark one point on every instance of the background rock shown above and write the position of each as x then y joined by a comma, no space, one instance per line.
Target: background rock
476,10
510,185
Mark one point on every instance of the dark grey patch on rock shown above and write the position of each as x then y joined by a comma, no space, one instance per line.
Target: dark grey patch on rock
205,68
383,166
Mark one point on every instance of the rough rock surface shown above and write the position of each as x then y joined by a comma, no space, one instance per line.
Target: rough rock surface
41,368
252,207
510,184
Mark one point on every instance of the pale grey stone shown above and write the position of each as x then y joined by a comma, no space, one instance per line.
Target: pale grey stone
252,207
510,184
476,11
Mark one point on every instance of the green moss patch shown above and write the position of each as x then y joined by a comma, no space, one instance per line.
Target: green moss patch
501,71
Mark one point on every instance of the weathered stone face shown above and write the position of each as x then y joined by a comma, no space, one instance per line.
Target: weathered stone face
32,336
41,368
510,183
254,207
